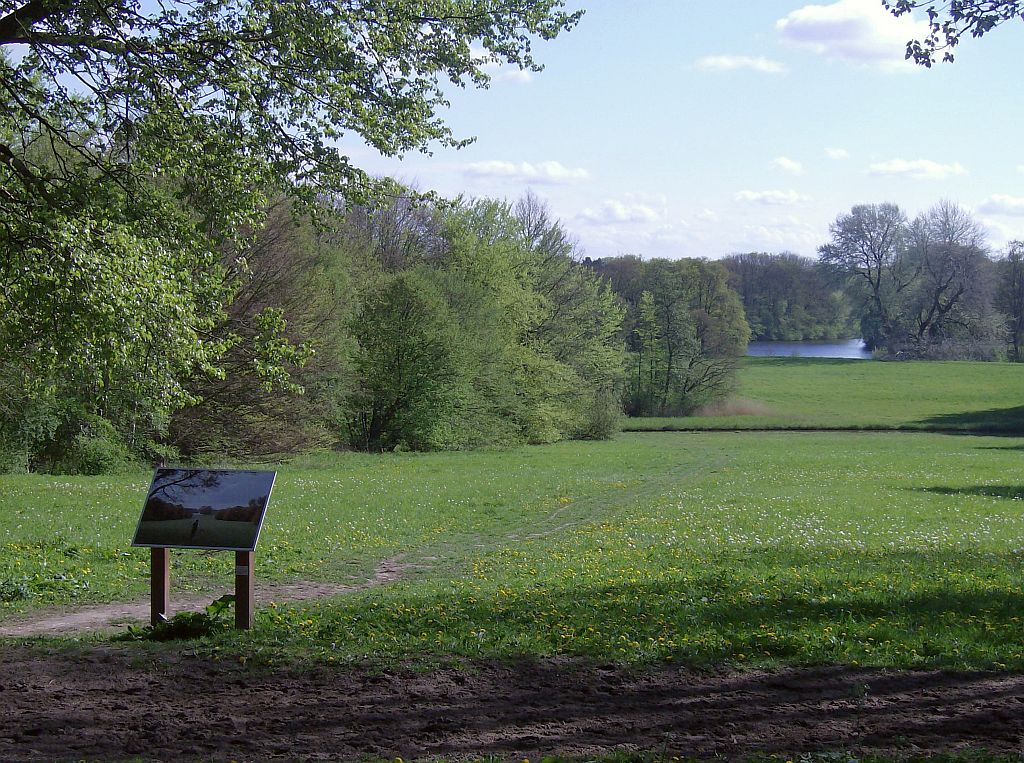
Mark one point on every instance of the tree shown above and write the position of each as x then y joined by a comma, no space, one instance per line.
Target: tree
407,364
949,21
648,356
925,286
1010,296
139,142
685,332
577,322
301,275
950,300
543,331
868,246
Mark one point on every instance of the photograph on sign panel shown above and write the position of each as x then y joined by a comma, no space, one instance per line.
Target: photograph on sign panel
204,508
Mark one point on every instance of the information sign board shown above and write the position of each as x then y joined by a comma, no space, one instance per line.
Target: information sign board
216,509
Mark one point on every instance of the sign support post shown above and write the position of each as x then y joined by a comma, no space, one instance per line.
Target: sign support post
212,509
244,591
159,584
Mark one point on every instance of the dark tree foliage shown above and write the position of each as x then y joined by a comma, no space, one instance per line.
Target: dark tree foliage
298,276
949,21
924,287
788,298
686,332
1010,296
407,364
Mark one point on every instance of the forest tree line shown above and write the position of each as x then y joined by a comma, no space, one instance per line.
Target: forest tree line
433,324
412,323
921,288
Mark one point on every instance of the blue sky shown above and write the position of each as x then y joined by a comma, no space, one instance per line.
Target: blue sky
700,129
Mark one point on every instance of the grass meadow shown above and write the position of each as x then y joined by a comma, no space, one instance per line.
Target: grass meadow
760,548
825,393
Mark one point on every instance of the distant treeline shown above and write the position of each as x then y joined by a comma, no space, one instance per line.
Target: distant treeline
927,288
789,298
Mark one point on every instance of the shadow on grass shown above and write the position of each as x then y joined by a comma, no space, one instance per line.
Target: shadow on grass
993,421
1010,492
894,609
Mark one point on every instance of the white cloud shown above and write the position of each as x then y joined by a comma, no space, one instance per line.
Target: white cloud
1002,230
787,233
837,153
1020,169
1001,204
522,76
918,169
727,63
772,198
861,31
541,173
786,164
612,211
498,71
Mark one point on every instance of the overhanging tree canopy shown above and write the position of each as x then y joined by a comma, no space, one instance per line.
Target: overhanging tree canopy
949,21
137,137
223,94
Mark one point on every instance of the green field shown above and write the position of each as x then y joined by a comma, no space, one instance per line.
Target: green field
823,393
897,549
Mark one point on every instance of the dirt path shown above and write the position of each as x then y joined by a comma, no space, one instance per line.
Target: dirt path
109,617
107,704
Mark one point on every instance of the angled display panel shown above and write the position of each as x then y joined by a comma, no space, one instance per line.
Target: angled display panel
217,509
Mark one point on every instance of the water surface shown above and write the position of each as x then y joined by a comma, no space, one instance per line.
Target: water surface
841,348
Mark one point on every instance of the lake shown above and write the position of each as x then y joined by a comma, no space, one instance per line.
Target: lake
841,348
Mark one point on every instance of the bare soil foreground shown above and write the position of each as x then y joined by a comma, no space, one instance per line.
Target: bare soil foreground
111,703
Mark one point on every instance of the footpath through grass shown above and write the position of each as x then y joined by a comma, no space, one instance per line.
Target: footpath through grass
890,549
826,393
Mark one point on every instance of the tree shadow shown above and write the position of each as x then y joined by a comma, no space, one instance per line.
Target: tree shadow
1010,492
912,608
992,421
